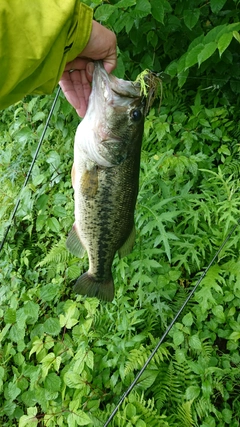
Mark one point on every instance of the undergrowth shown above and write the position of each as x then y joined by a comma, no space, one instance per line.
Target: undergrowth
65,359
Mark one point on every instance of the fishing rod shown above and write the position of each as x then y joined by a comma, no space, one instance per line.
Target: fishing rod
30,170
134,382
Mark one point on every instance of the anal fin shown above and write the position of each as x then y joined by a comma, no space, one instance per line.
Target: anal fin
74,244
128,244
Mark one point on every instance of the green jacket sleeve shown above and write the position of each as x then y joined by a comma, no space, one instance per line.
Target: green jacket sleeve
37,39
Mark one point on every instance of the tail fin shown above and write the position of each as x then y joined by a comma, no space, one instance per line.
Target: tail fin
88,285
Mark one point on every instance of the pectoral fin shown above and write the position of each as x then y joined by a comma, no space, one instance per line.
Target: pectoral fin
128,245
74,244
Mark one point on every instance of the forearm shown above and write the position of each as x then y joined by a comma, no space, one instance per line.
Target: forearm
37,39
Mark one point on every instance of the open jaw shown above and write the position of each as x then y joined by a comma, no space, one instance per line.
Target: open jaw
111,89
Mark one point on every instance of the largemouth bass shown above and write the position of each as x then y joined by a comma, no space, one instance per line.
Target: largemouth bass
105,178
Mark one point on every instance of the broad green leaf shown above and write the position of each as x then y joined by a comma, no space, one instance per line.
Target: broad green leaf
236,35
50,360
10,316
130,410
103,12
41,222
23,135
52,382
42,202
37,346
68,322
195,342
38,116
143,8
17,333
182,71
206,52
31,311
192,55
79,417
234,336
73,380
125,3
192,392
90,359
217,5
28,421
147,378
157,10
48,292
188,319
53,224
218,311
190,17
53,158
11,391
52,326
206,388
182,78
141,423
38,179
178,338
227,415
59,211
224,42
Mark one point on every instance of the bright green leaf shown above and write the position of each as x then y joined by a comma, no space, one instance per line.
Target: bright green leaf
52,382
178,338
52,326
10,316
195,342
53,224
188,319
206,52
143,8
236,35
103,12
192,55
125,3
224,42
234,336
192,392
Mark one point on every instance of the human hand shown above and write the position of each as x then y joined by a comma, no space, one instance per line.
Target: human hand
77,76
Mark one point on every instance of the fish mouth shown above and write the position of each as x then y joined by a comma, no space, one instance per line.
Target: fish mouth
111,89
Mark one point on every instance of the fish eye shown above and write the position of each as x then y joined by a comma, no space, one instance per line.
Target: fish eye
136,115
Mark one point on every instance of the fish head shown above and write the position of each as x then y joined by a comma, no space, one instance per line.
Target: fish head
114,120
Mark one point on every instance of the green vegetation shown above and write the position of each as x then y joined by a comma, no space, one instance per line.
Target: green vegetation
65,360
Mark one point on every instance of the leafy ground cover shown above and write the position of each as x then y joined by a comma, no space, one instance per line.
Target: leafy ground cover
65,360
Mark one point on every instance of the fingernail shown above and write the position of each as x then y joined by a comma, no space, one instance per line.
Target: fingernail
90,68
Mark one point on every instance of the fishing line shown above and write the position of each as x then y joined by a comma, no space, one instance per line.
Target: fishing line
30,169
132,385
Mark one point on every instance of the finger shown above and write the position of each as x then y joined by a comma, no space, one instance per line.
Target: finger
77,64
71,84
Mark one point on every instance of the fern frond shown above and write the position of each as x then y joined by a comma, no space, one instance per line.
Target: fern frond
171,383
184,414
138,357
203,407
57,254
